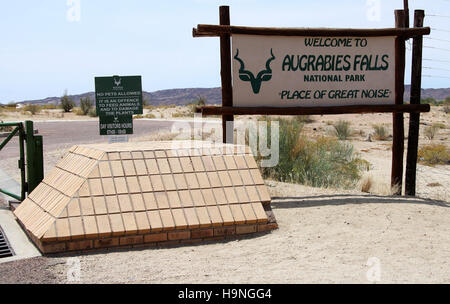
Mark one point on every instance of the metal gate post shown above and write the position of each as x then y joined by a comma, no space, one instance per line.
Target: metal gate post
34,157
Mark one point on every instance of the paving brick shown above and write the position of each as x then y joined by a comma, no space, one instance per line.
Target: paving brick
245,229
125,203
169,182
240,162
250,217
163,165
73,208
214,214
128,167
150,201
192,181
229,162
131,240
149,154
226,215
112,204
90,227
161,200
263,193
105,243
191,218
238,215
185,197
76,228
256,176
203,216
202,233
203,180
155,237
125,155
116,168
129,223
137,202
208,163
219,162
174,200
144,181
251,163
186,164
261,215
197,164
86,206
157,183
235,178
84,190
219,194
154,219
116,222
108,186
141,169
160,154
99,205
231,195
225,179
209,198
179,219
142,223
178,235
252,194
95,186
152,167
180,181
133,184
175,165
80,245
104,228
137,155
121,185
224,231
167,219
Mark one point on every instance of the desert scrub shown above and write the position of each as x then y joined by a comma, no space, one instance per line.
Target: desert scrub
32,108
380,132
92,112
342,129
321,162
431,131
434,155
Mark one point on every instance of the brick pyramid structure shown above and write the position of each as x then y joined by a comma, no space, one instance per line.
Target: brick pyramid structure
148,193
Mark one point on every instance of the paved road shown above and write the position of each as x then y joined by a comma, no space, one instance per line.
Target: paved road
64,134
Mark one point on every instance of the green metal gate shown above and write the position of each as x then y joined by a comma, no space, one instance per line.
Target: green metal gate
31,161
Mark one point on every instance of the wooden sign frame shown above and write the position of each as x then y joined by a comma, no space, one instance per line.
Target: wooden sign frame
402,33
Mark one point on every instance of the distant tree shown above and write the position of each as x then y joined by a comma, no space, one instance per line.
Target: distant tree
145,101
429,100
11,104
67,103
200,101
447,100
85,105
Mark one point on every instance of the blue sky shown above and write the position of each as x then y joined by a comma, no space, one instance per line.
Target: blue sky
42,53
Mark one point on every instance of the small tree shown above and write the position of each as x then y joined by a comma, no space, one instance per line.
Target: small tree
85,105
67,103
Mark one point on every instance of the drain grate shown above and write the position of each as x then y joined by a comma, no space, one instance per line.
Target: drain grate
5,249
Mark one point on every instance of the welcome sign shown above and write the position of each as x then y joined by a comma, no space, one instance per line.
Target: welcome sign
281,71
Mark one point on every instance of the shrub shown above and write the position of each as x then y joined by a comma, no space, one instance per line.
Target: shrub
434,155
322,162
342,129
66,103
380,132
32,108
92,112
431,131
150,115
85,105
49,106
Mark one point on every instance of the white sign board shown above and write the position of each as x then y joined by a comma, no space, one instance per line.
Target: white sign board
279,71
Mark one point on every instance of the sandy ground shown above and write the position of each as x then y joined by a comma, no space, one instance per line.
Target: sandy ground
324,235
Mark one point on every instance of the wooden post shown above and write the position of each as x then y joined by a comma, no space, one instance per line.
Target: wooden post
398,135
406,9
225,73
414,118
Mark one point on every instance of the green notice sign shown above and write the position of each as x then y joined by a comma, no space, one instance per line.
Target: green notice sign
117,99
118,95
119,125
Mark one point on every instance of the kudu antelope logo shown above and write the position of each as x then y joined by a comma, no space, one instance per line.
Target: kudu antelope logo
117,81
264,75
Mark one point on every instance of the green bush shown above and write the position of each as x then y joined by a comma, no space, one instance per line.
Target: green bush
92,112
85,105
431,131
380,132
434,155
32,108
322,162
342,129
66,103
